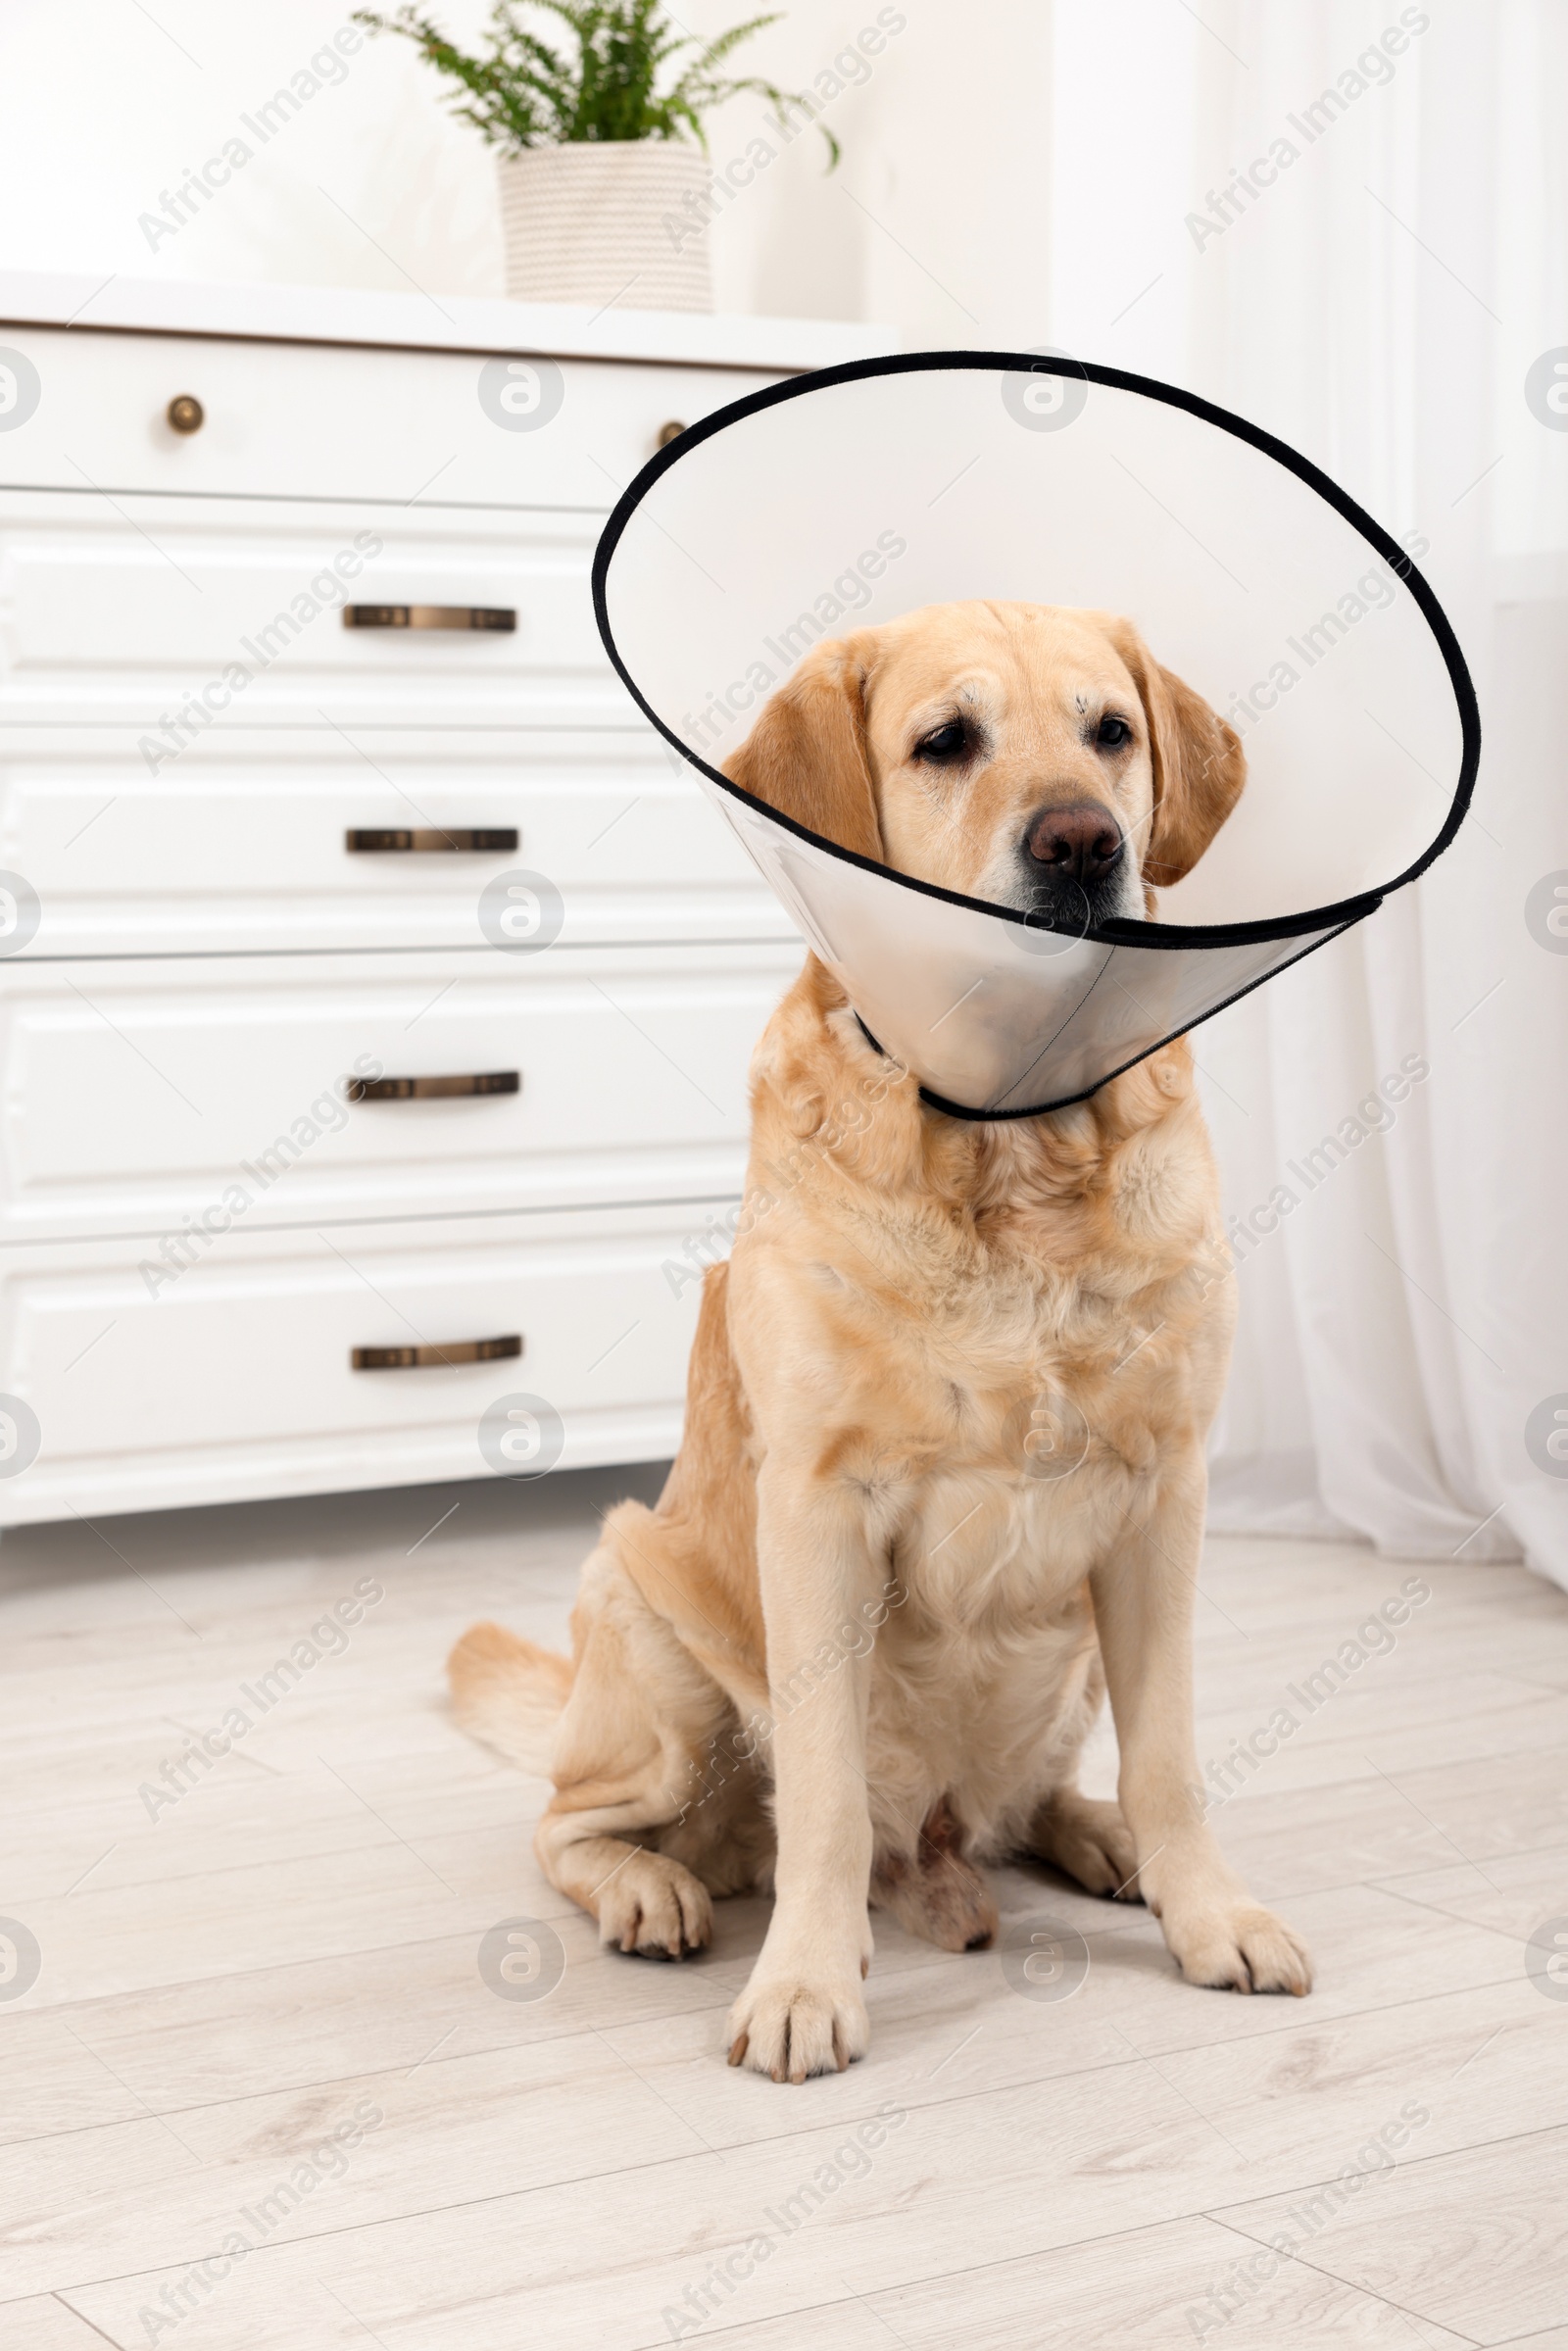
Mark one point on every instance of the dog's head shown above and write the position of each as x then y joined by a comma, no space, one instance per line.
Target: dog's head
1026,754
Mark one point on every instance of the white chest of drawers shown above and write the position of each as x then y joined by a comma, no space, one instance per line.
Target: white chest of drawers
237,944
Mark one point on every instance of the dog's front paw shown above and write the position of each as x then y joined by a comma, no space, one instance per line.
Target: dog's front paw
789,2024
1238,1946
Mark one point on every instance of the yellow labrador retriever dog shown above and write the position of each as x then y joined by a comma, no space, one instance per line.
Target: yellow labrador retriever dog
942,1482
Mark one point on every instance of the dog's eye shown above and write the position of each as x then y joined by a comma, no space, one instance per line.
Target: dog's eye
1113,733
943,744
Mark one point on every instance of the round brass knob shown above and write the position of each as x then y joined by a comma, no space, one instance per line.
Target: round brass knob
185,413
669,432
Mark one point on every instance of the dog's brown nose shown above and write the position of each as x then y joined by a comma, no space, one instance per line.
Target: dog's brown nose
1082,838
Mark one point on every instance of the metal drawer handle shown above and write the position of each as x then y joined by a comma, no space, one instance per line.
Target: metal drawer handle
500,620
423,1358
395,838
430,1090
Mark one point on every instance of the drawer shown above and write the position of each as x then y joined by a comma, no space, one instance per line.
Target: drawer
334,422
242,845
143,1095
237,1379
184,615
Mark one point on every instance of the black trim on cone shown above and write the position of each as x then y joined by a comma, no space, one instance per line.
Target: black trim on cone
1153,935
1066,1101
1326,922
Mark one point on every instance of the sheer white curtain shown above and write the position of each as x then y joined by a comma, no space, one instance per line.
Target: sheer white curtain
1378,296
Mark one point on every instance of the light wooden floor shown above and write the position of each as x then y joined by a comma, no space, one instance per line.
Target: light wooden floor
297,1938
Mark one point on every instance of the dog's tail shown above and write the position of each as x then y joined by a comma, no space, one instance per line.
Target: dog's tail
509,1692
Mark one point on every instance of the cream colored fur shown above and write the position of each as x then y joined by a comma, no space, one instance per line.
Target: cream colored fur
852,1654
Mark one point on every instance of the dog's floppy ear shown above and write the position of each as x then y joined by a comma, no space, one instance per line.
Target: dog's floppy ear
806,754
1200,765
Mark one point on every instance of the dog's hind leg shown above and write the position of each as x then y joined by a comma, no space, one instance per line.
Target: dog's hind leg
631,1763
1087,1839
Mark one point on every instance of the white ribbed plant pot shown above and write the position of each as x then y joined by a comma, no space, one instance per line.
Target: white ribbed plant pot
602,222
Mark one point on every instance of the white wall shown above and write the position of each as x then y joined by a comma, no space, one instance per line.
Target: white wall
935,222
1020,172
368,182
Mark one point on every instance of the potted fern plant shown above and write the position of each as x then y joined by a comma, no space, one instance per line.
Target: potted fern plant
602,146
